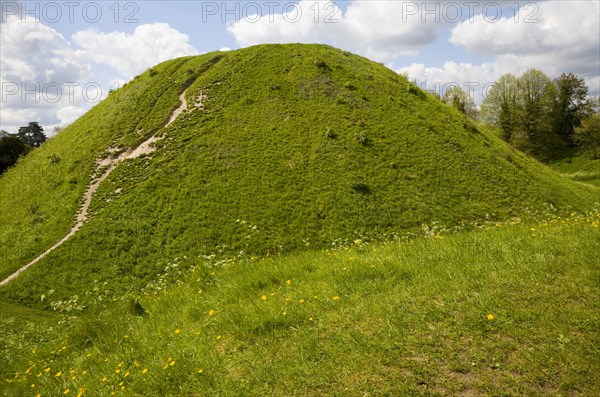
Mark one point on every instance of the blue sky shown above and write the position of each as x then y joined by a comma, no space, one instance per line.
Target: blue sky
96,45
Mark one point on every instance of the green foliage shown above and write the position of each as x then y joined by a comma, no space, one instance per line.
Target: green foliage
571,105
537,115
587,135
510,309
11,149
32,134
461,100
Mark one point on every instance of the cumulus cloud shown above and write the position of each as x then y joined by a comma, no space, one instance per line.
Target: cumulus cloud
131,54
555,36
378,29
46,78
38,73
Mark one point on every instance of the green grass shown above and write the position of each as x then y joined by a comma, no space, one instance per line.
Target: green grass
297,145
400,318
579,167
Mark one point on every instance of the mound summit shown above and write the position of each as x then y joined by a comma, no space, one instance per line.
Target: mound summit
279,147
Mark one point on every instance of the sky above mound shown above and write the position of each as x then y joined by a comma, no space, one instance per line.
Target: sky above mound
58,59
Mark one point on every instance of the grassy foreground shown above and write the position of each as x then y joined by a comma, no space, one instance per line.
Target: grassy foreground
511,309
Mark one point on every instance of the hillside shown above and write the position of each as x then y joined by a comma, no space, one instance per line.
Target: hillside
282,148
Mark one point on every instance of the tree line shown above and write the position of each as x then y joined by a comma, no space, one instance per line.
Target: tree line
540,116
13,146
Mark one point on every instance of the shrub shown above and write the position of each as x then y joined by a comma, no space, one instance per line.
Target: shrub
361,188
362,138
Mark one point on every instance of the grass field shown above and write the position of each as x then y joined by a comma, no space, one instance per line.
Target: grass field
508,310
579,167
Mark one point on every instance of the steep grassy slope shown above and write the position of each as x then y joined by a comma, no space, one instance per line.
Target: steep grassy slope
507,311
293,146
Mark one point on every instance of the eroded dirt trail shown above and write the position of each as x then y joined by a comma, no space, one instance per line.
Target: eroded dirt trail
145,147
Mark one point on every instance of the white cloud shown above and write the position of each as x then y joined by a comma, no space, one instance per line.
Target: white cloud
131,54
69,114
378,29
36,68
46,78
563,40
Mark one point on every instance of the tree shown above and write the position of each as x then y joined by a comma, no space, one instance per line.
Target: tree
11,148
461,100
571,105
3,134
587,135
535,99
32,135
500,105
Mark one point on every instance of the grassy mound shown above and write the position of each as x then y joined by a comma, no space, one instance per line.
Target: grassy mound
283,147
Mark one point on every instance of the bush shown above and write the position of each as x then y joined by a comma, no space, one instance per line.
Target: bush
361,188
362,138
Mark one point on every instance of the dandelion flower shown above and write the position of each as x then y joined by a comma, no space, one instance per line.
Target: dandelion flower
145,370
177,331
301,300
289,282
211,312
200,371
59,373
336,298
264,297
33,385
67,391
490,316
80,392
172,363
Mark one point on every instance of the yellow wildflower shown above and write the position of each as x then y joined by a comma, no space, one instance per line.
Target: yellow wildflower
177,331
211,312
490,316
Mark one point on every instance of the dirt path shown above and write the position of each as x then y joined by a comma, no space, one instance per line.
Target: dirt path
145,147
